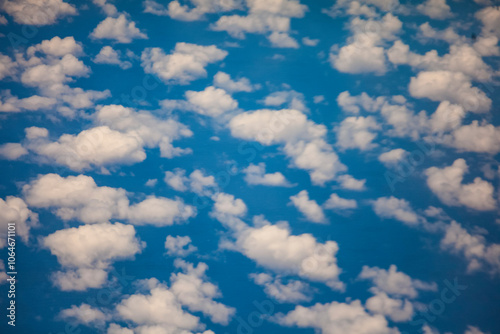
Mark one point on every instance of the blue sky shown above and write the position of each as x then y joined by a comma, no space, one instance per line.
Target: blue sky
249,166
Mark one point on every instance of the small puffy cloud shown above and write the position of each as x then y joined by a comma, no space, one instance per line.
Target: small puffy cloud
447,184
394,282
309,41
294,291
394,208
397,310
78,197
302,140
192,290
365,52
37,12
435,9
350,183
186,63
271,18
178,11
353,104
462,58
57,47
283,40
309,208
12,151
449,86
256,175
357,132
162,306
224,81
475,249
293,99
196,182
475,137
337,318
179,246
120,29
274,248
213,102
88,251
85,315
107,8
108,55
490,17
15,210
392,157
427,33
334,202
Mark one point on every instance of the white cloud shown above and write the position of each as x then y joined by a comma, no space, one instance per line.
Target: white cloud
37,12
394,282
224,81
57,47
293,99
282,40
490,17
197,182
186,63
15,210
303,140
211,101
350,183
435,9
394,208
309,208
11,103
365,52
107,8
193,291
478,253
449,86
335,202
120,29
90,250
179,246
475,137
181,12
337,318
162,307
293,291
426,32
274,248
357,132
84,314
447,184
12,151
78,197
309,41
271,18
396,309
462,58
119,137
392,157
108,55
256,175
7,66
